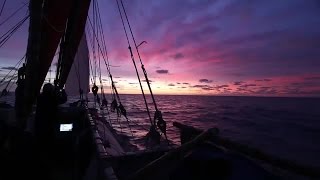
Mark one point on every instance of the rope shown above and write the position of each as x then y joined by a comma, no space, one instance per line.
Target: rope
11,86
135,66
14,13
103,43
8,83
12,78
161,124
2,6
5,37
142,66
59,63
52,26
15,66
99,59
107,65
98,35
78,78
90,41
93,48
102,35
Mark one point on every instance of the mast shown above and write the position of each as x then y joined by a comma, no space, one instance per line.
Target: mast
23,103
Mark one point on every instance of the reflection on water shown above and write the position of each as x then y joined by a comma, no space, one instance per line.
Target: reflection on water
285,127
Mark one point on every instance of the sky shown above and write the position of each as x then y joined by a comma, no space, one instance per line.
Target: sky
206,47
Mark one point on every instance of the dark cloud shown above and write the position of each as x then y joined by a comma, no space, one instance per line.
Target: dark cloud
263,80
162,71
222,86
178,56
241,89
9,68
203,87
310,83
178,83
247,85
205,81
171,84
312,78
237,83
185,83
146,80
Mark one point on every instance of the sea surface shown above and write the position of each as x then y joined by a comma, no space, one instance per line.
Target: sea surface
284,127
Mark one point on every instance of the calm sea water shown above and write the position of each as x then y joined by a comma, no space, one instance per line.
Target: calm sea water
285,127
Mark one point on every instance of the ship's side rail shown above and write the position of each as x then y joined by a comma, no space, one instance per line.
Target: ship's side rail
104,171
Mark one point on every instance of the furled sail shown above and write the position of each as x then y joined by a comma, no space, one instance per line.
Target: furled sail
47,24
49,21
75,29
79,74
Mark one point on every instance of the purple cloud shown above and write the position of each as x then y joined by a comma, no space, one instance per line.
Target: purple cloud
162,71
178,56
263,80
146,80
237,83
203,87
205,81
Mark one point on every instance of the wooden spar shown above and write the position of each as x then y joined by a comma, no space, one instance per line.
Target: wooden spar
75,29
252,152
47,24
174,154
23,103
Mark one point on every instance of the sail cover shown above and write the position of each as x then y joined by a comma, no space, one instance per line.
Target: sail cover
78,77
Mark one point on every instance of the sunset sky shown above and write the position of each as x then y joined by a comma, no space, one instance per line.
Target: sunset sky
208,47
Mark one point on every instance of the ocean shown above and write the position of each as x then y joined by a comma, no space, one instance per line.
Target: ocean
284,127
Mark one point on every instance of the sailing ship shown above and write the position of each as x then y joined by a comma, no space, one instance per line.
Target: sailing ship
86,146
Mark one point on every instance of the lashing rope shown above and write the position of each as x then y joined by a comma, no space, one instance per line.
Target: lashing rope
5,37
135,66
14,13
2,7
99,49
158,115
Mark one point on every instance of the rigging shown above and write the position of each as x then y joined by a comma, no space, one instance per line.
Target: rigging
2,7
13,14
158,115
6,36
